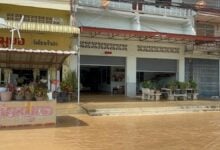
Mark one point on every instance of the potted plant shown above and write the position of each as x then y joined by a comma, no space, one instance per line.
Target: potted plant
147,84
7,95
183,87
40,93
172,85
193,86
146,89
68,85
19,93
29,92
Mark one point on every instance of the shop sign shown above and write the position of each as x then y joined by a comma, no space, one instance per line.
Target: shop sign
6,41
24,113
44,42
108,52
10,112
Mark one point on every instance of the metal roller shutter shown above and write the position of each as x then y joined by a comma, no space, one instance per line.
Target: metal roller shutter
156,65
206,73
102,60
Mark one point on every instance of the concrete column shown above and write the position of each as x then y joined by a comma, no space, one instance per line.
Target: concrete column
73,63
219,78
131,76
36,72
48,80
136,22
7,75
58,79
181,71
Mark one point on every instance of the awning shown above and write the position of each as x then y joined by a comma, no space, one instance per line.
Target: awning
146,36
209,45
43,27
28,59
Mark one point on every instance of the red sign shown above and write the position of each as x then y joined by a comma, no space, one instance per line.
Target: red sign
108,52
6,41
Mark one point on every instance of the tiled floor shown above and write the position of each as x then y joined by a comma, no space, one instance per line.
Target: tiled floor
97,101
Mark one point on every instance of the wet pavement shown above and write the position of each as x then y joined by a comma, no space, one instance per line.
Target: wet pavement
191,131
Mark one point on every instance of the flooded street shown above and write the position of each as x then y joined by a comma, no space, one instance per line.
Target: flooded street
168,132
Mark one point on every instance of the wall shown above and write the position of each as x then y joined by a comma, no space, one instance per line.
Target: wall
4,9
105,18
131,54
27,113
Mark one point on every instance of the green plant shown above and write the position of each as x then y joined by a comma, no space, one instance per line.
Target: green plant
183,85
193,84
147,84
173,84
69,82
40,91
29,89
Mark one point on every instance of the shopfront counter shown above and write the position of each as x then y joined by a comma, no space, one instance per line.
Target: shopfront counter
21,113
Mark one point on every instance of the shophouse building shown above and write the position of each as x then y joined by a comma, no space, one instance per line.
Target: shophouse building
123,43
47,40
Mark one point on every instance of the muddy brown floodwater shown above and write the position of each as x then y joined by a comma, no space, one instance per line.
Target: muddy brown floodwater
194,131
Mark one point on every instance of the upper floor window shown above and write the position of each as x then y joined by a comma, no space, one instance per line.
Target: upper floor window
137,4
38,19
205,29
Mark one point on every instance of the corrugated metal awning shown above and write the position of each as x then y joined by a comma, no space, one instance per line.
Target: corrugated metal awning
23,58
43,27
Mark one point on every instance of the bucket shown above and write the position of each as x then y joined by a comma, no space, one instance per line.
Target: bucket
49,95
6,96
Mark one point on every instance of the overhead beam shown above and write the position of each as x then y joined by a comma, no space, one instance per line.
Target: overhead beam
132,33
28,63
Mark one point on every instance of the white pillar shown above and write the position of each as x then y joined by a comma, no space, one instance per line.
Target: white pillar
131,76
48,80
181,71
0,76
58,79
136,23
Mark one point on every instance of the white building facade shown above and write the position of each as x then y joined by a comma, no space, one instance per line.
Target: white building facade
145,41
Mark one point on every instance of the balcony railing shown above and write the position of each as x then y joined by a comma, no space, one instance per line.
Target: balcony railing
112,5
170,11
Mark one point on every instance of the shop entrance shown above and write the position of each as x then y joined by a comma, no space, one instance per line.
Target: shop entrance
102,79
95,78
102,74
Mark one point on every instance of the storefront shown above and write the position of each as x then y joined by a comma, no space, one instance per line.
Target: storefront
102,74
155,56
31,72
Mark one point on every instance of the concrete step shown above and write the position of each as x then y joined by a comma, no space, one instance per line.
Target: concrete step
151,110
63,109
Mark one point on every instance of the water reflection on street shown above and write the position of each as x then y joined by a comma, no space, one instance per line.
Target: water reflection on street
167,132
